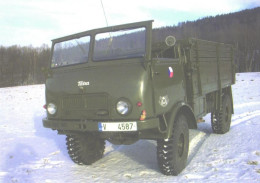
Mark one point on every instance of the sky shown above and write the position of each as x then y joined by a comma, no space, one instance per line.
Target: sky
37,22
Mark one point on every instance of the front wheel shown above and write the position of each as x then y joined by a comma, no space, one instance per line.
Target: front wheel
85,149
172,153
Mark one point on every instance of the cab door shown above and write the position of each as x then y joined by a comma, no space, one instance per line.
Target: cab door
167,79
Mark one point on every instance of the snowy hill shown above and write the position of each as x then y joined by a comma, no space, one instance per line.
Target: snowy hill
31,153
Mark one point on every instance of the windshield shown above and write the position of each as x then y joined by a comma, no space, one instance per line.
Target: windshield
71,52
121,44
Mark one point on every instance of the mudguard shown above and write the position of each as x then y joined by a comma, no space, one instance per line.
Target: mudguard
180,107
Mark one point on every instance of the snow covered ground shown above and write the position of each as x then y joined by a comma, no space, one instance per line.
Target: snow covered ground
31,153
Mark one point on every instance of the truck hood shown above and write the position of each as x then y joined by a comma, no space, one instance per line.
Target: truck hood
99,87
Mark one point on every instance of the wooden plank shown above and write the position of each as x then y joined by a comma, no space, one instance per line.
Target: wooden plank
206,53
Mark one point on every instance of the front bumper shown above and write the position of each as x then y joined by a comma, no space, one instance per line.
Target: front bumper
92,126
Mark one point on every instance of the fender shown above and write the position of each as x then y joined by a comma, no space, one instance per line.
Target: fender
180,107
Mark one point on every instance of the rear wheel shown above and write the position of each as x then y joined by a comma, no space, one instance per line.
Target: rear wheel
172,153
85,149
221,120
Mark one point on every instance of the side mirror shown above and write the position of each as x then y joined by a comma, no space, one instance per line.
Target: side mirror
170,41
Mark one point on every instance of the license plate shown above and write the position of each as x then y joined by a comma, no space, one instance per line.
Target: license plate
117,126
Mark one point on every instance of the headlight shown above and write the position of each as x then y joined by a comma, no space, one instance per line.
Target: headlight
123,107
51,108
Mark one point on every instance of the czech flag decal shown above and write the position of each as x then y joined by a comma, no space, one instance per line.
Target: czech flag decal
170,72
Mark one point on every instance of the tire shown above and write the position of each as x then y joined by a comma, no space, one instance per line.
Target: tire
85,149
221,120
172,153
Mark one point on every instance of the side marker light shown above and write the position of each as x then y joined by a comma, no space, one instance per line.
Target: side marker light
143,115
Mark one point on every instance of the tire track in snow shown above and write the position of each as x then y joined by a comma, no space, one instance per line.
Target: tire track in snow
197,139
236,120
248,104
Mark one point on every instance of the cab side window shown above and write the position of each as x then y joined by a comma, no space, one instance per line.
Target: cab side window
163,51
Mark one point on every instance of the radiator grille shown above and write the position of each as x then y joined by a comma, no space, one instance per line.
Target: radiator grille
85,102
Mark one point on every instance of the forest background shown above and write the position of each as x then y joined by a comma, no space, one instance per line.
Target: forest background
22,65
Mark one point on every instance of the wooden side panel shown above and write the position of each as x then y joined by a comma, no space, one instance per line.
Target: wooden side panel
212,65
212,68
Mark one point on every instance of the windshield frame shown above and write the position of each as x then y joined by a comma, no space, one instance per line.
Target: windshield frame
148,34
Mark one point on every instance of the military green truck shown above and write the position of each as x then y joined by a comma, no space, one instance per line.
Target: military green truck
124,83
